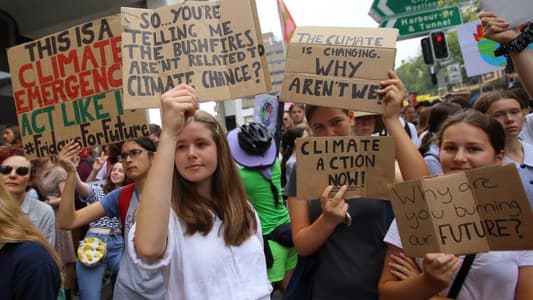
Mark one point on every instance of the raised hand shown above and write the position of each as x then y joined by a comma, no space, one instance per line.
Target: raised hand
334,209
177,105
67,156
100,161
393,93
496,28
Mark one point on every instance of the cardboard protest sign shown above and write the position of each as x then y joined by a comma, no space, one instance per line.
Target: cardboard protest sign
67,86
339,67
214,46
515,12
462,213
364,164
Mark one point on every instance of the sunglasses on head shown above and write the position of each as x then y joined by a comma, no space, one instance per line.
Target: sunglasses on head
21,171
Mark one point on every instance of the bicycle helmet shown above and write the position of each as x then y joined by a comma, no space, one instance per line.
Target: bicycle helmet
254,138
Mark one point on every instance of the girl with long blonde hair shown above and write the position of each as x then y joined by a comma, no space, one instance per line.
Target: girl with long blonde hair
30,266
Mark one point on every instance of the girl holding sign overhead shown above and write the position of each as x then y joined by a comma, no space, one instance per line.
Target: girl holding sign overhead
467,140
344,236
194,222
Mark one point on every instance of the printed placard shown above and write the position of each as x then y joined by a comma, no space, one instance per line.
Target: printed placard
339,67
214,46
463,213
67,86
364,164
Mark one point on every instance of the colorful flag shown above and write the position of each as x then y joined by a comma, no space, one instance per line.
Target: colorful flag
287,22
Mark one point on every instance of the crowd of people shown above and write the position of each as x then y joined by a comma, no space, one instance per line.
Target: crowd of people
195,212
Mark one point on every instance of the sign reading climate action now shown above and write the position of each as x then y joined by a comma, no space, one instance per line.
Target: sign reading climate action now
338,67
364,164
469,212
214,46
66,86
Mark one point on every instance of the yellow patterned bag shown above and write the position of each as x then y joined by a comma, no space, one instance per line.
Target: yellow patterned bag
92,251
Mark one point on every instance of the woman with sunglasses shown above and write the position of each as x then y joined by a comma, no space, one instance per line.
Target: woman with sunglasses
108,230
132,282
15,175
30,266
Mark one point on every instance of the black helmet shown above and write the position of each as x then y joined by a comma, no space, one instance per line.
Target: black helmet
254,138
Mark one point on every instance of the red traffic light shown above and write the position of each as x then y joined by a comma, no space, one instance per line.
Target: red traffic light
439,45
439,38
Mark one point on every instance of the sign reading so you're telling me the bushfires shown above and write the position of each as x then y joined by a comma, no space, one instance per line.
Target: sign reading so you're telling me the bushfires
214,46
467,212
339,67
68,86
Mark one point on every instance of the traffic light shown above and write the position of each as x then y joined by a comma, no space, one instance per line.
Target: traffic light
427,52
439,45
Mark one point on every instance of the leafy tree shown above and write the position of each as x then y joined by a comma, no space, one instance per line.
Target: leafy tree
416,75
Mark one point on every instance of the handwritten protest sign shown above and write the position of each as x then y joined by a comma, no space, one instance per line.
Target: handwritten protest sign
515,12
67,86
364,164
214,46
462,213
338,67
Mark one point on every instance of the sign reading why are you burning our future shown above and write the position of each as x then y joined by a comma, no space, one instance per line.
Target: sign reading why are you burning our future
67,86
467,212
214,46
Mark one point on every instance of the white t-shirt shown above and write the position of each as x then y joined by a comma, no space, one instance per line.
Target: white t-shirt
493,275
203,267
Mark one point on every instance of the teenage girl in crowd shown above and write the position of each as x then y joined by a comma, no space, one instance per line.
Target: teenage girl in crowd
132,283
507,109
498,30
428,147
467,140
194,222
296,111
30,266
108,230
349,255
11,136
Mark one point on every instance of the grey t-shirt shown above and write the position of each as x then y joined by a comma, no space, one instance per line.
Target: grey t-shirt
41,215
349,263
133,283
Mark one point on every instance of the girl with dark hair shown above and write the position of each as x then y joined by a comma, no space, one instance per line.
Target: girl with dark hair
428,148
467,140
12,136
344,236
93,261
194,223
132,283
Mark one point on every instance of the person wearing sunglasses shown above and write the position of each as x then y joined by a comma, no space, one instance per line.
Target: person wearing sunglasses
15,173
132,282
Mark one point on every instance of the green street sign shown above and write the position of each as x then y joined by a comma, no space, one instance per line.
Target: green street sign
382,9
422,23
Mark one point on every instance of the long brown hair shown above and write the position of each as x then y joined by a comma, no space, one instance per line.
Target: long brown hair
231,205
15,227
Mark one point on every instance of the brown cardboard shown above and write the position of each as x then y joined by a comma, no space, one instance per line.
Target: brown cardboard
339,67
214,46
449,213
369,163
78,62
71,89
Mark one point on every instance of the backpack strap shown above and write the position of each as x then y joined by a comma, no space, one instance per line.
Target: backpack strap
124,201
461,276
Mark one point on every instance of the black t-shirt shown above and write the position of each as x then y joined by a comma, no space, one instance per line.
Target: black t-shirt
28,272
349,263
